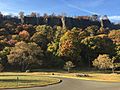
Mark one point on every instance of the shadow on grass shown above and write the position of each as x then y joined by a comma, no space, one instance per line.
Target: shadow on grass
73,71
21,81
14,75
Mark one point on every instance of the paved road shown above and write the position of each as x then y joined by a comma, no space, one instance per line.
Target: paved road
73,84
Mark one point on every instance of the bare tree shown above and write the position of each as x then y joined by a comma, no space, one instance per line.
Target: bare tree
21,15
63,20
33,14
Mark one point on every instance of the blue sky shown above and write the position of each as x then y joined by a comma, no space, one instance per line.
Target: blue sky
70,7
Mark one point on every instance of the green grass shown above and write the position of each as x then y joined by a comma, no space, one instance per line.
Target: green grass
18,80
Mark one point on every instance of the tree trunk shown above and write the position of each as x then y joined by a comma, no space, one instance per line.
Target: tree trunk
113,70
68,70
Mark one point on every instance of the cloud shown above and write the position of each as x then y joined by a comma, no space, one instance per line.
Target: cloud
9,13
6,8
79,8
114,18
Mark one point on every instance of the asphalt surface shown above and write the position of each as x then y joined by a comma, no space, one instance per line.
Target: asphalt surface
74,84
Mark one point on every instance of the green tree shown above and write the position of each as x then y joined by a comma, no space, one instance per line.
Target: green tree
3,58
117,50
95,45
40,39
53,47
59,32
92,30
46,30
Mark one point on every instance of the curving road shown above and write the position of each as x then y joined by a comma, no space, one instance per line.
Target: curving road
74,84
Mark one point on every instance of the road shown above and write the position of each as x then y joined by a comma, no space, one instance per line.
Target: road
74,84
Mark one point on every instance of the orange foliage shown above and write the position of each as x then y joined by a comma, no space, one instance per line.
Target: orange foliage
24,34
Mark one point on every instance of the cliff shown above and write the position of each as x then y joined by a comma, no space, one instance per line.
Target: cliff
66,22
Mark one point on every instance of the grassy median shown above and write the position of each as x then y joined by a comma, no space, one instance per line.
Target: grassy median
20,80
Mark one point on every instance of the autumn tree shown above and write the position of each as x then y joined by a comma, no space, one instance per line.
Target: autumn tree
29,28
115,35
24,55
68,65
105,62
24,35
69,47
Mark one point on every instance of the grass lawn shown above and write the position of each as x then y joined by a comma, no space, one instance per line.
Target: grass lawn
97,76
18,80
94,75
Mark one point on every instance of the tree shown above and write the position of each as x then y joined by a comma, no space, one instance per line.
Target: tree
115,35
63,20
33,14
95,17
29,28
24,55
40,39
117,50
24,35
69,65
102,62
46,30
53,47
70,48
4,32
1,15
3,58
95,45
102,30
21,14
53,59
59,32
105,62
114,64
92,30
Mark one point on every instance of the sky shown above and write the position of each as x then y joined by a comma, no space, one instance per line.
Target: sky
111,8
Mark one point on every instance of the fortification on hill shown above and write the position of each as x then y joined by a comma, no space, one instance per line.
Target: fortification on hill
63,21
